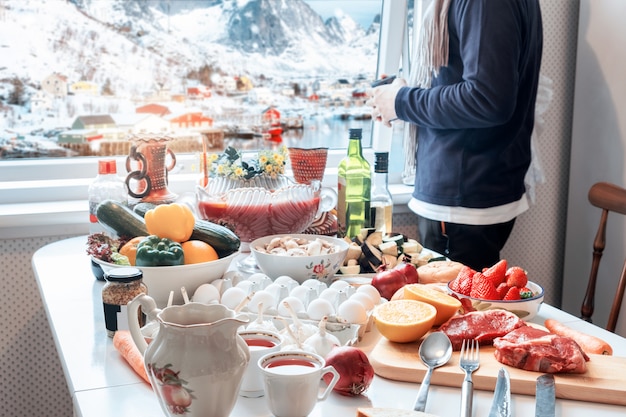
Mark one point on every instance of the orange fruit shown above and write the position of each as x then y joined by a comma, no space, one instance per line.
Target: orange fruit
404,321
197,251
446,305
129,249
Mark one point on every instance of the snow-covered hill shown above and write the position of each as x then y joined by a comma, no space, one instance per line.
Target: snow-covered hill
138,45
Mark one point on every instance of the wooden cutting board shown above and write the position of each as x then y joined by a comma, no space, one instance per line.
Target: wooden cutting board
604,381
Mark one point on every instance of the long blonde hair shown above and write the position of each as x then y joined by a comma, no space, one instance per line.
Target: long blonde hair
431,53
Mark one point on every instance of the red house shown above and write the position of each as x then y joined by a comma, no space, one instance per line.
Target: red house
190,119
153,108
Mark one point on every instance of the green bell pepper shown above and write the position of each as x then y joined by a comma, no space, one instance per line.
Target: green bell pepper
156,251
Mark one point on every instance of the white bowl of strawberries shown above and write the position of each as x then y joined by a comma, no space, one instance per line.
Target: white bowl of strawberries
499,286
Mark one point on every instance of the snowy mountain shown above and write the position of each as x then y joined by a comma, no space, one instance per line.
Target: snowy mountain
136,46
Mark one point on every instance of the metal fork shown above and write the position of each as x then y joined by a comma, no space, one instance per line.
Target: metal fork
470,361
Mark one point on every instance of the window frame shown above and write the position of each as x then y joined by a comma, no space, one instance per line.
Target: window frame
48,196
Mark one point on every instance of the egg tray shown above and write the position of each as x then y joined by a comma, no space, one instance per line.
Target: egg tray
347,333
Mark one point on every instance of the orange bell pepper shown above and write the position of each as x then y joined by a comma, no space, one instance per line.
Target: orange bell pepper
173,221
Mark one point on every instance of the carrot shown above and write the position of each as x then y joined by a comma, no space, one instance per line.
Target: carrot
587,342
123,342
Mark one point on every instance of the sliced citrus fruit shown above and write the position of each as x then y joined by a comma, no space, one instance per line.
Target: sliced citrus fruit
404,321
197,251
446,305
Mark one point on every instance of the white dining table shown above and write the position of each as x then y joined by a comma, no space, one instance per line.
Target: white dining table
102,384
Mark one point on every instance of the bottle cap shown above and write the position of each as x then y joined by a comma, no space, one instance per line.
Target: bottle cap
107,166
355,133
124,274
381,161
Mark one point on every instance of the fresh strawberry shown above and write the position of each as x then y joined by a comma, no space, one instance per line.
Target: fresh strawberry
462,284
525,292
516,277
502,289
512,294
483,288
496,273
466,305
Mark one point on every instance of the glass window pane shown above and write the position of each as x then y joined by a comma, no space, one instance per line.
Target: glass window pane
83,78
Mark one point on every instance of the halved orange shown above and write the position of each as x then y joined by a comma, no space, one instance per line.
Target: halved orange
446,305
404,321
197,251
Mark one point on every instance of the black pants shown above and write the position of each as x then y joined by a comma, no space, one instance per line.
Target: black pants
475,246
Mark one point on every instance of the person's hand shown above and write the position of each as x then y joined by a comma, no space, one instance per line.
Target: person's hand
383,101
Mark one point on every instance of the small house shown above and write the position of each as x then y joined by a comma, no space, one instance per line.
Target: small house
55,84
188,120
103,121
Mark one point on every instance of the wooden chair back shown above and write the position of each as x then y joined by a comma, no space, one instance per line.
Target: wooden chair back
608,197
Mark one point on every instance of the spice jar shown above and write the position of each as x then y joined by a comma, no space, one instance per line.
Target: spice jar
122,285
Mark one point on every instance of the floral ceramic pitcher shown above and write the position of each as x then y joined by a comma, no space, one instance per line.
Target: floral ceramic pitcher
197,360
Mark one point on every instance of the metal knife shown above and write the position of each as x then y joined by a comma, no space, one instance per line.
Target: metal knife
545,396
501,405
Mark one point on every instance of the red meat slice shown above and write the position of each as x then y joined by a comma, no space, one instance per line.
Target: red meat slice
533,349
483,326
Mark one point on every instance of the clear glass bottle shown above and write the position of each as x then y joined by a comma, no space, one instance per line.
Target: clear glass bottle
107,185
353,186
381,202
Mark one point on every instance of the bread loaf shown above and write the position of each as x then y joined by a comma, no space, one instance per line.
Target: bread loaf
439,272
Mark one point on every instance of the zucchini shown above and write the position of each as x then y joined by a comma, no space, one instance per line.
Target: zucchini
221,238
142,208
121,220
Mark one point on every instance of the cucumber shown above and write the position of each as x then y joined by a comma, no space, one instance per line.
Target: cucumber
221,238
142,208
120,219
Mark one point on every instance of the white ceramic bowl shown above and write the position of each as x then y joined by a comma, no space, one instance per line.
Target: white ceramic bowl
160,280
525,309
300,268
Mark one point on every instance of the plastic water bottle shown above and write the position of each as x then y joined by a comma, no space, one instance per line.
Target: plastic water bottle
106,186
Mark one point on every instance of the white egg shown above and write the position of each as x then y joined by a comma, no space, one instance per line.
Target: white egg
295,303
206,293
314,284
260,280
330,294
233,296
261,297
349,290
339,284
319,308
247,286
306,295
279,291
287,280
363,299
371,291
353,312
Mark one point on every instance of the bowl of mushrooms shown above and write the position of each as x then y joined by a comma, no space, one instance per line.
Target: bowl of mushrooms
300,256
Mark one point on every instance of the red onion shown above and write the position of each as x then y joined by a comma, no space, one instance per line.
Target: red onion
355,371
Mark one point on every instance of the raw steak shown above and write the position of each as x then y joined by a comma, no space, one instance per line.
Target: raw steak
537,350
483,326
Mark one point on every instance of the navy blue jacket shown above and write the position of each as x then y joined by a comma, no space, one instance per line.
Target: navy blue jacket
476,121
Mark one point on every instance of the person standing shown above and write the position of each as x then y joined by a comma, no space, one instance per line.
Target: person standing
471,104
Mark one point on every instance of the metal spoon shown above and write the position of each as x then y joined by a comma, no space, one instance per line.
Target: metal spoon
435,351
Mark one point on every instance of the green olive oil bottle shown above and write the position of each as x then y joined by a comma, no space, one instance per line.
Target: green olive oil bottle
354,187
